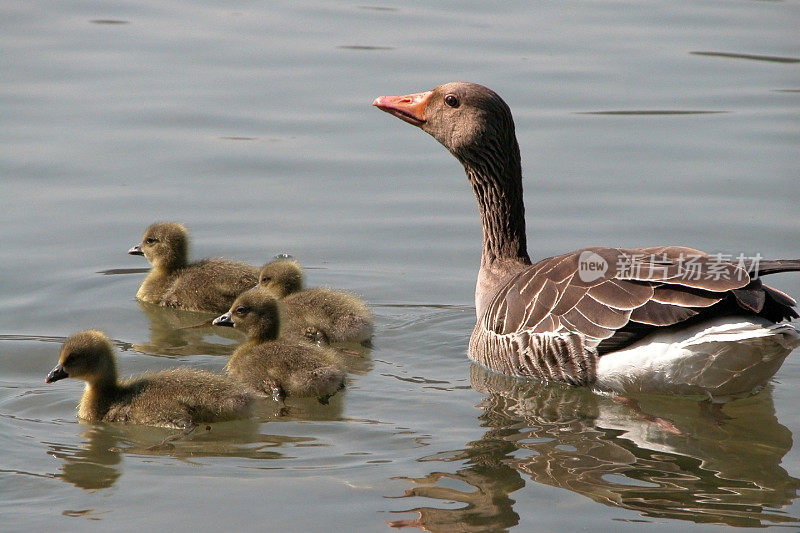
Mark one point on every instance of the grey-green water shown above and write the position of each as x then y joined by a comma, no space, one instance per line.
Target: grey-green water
640,123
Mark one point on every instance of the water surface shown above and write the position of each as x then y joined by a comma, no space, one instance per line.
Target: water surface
640,123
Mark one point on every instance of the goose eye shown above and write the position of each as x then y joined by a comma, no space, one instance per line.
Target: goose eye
72,358
266,279
241,310
150,240
451,100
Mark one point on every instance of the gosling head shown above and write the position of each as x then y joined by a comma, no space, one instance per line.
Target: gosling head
87,355
164,244
282,277
256,312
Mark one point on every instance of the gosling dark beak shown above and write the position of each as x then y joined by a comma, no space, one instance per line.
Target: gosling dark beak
136,250
56,374
223,320
410,107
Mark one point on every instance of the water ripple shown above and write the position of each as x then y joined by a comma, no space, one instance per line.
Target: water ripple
109,21
752,57
364,47
651,112
115,271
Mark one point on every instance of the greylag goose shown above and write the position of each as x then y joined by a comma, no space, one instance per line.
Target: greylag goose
176,398
205,285
666,319
275,365
341,316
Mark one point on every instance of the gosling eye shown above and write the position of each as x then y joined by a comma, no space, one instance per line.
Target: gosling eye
266,279
150,240
241,310
452,100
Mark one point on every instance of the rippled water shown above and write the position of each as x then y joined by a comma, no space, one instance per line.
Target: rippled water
639,122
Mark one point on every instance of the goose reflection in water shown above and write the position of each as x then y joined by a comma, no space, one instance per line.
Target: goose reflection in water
661,457
96,463
93,465
176,332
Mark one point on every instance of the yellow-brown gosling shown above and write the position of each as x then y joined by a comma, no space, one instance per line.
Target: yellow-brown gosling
278,366
340,315
205,285
176,398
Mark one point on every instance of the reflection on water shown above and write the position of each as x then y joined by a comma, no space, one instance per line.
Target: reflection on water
97,462
176,332
661,457
212,114
92,465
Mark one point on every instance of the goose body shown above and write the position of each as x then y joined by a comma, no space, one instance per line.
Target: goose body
664,319
340,315
176,398
206,285
275,365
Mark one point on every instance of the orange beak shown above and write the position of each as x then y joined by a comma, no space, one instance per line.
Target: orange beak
410,108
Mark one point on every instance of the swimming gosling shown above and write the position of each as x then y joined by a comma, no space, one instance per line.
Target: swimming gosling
279,367
205,285
176,398
340,315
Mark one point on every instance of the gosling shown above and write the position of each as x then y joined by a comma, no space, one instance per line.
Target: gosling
205,285
176,398
280,367
342,316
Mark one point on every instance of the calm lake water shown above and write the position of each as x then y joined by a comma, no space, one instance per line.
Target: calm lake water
640,123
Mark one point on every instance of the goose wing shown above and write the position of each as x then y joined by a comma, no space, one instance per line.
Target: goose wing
613,296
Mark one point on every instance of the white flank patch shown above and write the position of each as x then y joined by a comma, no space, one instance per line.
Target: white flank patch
722,359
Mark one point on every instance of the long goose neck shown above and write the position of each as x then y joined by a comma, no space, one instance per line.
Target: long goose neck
495,174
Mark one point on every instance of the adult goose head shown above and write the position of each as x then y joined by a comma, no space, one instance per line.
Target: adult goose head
476,125
666,319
